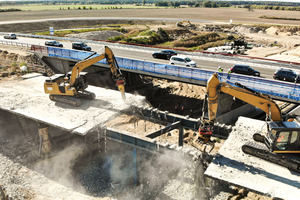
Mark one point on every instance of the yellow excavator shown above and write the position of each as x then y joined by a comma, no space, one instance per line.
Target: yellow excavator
182,23
281,139
68,88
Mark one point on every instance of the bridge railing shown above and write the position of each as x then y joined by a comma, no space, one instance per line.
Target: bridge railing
284,90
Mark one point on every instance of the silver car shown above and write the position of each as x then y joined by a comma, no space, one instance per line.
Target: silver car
10,36
182,61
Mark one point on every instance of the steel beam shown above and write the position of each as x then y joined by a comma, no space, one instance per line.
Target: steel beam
164,130
186,121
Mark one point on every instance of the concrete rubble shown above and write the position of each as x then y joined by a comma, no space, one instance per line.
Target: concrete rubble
233,166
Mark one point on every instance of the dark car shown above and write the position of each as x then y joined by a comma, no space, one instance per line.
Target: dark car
164,54
53,43
286,75
81,46
244,69
10,36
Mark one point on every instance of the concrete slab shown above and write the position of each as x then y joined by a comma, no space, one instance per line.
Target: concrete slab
27,98
233,166
31,75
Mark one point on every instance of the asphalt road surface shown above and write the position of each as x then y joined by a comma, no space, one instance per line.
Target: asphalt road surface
147,56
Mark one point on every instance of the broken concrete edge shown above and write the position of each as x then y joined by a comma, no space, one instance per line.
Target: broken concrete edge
31,75
146,144
33,118
128,138
240,186
124,137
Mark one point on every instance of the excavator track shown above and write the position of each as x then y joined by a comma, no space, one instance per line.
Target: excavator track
70,100
261,151
86,95
73,101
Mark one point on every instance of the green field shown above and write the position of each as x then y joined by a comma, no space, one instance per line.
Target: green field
39,7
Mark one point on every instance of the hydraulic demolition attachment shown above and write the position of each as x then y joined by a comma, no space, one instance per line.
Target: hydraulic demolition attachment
68,88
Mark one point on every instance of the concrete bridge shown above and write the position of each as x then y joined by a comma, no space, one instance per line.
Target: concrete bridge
60,59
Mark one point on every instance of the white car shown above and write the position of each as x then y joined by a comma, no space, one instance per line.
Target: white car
10,36
182,61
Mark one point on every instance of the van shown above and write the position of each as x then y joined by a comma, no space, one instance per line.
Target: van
182,61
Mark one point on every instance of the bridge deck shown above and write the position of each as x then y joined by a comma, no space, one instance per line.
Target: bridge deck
233,166
27,98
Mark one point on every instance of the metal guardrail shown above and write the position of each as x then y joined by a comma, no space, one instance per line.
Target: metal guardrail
226,58
277,89
14,43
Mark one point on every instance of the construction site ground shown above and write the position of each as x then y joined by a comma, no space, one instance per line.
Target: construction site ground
26,176
23,182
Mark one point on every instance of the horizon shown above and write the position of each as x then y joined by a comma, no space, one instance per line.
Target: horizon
286,1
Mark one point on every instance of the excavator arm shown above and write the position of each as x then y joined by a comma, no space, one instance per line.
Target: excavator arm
108,54
214,87
261,101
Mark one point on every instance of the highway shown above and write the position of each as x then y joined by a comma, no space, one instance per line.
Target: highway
135,53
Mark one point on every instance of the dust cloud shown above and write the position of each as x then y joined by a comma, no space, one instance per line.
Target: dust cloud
60,167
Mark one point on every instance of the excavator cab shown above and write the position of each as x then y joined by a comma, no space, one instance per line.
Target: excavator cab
281,145
283,137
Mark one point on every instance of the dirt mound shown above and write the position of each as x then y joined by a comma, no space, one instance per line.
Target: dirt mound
272,31
285,30
179,33
5,55
182,89
246,29
96,35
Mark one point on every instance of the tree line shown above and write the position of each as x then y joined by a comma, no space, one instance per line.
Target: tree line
172,3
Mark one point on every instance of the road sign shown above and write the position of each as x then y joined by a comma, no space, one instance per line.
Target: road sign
51,29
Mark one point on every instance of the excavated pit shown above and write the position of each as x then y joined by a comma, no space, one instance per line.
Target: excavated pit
95,167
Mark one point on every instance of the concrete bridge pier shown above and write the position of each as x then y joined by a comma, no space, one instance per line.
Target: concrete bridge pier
225,102
58,65
45,143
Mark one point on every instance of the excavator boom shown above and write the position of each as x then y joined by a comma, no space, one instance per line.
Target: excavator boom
264,102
